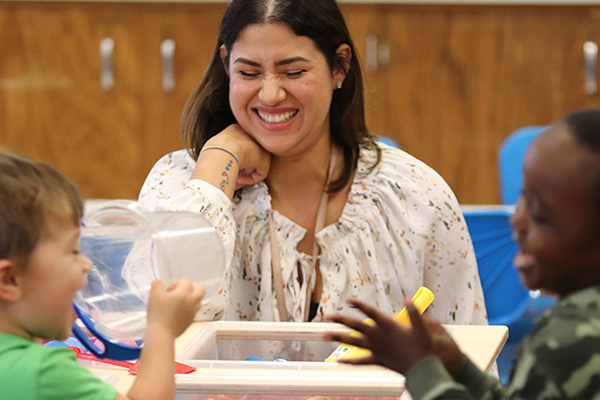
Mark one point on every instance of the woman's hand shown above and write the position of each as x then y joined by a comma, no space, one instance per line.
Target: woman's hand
254,161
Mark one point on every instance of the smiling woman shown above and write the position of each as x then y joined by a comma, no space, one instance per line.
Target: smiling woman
311,209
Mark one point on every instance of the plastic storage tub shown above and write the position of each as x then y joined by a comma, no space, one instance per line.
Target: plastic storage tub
220,349
293,366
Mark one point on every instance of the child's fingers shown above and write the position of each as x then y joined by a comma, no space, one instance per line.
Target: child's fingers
352,323
359,341
380,319
182,285
358,361
415,318
156,285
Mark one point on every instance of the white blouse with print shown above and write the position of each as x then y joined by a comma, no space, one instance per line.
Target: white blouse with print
401,228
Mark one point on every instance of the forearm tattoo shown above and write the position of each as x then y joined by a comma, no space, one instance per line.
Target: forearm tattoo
225,174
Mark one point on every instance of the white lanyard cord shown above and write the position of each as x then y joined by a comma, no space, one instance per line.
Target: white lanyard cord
276,261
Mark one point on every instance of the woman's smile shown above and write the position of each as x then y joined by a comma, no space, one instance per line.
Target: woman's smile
274,118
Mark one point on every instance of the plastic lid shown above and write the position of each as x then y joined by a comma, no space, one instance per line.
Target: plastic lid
130,247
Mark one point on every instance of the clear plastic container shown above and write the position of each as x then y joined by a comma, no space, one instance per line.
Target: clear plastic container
225,355
130,247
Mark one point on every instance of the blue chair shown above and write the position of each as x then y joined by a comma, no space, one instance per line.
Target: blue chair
510,161
387,140
506,299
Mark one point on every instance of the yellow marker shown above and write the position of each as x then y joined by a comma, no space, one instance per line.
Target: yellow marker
422,299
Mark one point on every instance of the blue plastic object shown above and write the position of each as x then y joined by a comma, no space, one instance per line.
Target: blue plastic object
93,248
112,349
510,161
387,140
255,358
505,297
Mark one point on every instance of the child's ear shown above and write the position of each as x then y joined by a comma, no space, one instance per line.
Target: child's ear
10,287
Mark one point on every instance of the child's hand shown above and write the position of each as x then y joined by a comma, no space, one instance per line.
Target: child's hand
392,345
445,347
174,308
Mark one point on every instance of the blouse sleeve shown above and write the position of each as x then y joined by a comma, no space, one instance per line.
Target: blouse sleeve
424,214
168,187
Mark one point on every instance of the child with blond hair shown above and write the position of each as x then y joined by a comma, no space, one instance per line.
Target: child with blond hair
41,269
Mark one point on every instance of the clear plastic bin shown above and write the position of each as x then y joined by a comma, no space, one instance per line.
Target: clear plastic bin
293,366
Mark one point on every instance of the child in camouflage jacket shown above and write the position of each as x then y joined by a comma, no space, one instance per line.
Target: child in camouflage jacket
556,224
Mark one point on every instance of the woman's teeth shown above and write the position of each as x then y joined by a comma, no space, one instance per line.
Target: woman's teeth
275,118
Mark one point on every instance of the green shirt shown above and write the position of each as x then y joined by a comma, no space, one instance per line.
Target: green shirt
559,359
31,371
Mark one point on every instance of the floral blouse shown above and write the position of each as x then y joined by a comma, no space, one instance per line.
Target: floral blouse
401,228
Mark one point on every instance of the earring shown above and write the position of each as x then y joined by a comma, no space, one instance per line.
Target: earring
338,85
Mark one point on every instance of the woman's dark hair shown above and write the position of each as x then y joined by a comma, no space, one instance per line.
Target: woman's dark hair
208,112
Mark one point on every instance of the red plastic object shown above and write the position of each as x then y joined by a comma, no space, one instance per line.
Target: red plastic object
89,356
132,368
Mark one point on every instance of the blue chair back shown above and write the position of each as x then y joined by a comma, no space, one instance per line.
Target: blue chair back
506,299
510,161
387,140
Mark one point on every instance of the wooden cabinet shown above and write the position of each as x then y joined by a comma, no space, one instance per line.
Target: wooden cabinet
461,78
447,82
52,103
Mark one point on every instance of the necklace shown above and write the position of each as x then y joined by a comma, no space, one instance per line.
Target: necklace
276,261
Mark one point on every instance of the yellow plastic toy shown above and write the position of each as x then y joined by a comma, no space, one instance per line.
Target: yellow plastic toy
422,299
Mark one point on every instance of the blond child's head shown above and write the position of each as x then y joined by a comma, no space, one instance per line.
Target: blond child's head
41,267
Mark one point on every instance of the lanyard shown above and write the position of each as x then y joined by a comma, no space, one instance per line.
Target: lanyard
276,261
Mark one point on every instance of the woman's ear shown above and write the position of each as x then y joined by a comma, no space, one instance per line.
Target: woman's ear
343,56
223,55
10,283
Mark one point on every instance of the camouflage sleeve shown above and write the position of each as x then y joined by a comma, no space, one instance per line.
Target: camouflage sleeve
429,380
561,359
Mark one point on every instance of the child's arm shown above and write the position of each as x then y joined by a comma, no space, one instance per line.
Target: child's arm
170,312
425,353
391,344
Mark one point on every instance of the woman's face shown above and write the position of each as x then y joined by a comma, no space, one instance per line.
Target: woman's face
556,219
280,88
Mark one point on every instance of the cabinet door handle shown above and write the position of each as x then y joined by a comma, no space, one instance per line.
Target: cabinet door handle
590,54
371,53
383,54
377,53
107,78
167,52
